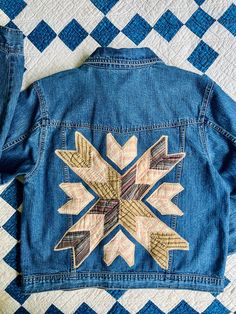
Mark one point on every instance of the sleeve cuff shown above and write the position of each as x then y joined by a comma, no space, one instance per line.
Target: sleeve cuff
11,39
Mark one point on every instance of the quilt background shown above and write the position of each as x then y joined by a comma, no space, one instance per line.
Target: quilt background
197,35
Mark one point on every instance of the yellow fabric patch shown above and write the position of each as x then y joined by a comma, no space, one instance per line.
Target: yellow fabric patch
120,201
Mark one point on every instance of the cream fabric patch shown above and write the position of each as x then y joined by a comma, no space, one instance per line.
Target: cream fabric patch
120,202
79,198
119,245
161,199
122,156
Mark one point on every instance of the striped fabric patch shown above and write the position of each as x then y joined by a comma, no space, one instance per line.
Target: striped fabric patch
120,201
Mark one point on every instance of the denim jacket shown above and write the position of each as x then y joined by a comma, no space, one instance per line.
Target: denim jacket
130,171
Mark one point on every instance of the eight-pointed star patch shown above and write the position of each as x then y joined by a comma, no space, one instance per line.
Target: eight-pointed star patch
120,202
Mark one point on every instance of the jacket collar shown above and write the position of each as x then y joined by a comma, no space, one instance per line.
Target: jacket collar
138,53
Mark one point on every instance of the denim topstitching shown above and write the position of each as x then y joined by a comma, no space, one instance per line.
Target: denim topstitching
120,130
178,171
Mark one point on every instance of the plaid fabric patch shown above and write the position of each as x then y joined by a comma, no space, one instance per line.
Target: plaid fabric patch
120,200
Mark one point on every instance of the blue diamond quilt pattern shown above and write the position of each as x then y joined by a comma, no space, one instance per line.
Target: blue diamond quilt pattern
188,34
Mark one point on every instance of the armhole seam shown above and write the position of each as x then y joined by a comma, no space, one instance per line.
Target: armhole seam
43,128
23,136
202,126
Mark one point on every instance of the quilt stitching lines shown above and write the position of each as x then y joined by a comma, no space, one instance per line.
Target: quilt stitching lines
120,203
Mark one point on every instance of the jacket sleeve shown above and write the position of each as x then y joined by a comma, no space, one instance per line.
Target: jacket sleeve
20,118
221,144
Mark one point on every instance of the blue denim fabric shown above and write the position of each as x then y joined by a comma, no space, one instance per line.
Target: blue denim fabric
125,92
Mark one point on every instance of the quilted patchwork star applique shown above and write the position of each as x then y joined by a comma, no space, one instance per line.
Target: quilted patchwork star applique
120,200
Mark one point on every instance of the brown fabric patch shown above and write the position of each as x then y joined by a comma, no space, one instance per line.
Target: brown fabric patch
120,200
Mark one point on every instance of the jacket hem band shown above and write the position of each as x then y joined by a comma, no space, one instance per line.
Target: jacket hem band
71,281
